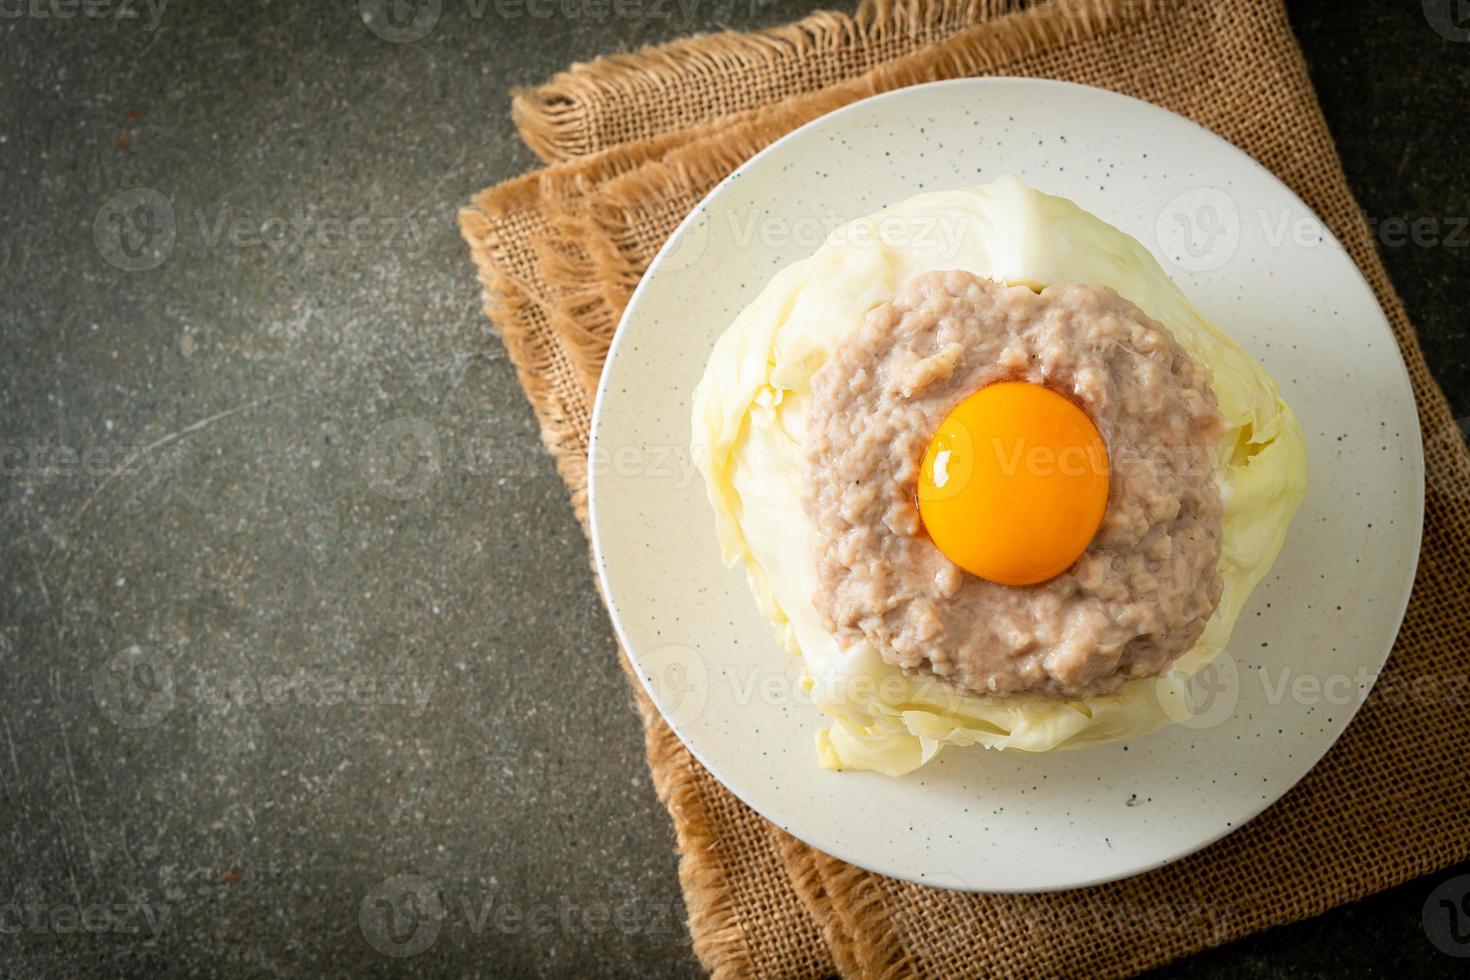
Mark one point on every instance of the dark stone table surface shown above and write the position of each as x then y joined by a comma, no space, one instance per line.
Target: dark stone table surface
367,687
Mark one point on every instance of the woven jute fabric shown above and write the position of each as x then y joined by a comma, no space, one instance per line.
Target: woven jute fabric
641,138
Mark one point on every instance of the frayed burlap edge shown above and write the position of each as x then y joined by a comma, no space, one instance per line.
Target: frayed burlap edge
629,173
566,118
710,152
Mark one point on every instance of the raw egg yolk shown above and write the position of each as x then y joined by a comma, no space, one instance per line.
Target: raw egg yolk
1014,483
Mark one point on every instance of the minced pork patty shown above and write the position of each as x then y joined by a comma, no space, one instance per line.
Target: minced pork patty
1140,594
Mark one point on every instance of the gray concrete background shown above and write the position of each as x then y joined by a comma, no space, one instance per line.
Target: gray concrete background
263,670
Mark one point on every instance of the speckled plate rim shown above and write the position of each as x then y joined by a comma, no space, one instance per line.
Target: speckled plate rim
771,808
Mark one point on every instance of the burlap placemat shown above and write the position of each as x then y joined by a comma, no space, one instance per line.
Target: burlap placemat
643,138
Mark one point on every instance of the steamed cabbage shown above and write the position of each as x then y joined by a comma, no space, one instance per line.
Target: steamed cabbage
749,423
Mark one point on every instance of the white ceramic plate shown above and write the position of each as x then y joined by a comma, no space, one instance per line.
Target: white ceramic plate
1252,258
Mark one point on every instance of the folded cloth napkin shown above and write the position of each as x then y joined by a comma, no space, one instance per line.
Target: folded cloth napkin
636,141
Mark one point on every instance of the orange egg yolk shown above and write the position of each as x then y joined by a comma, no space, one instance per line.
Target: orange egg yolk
1014,484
